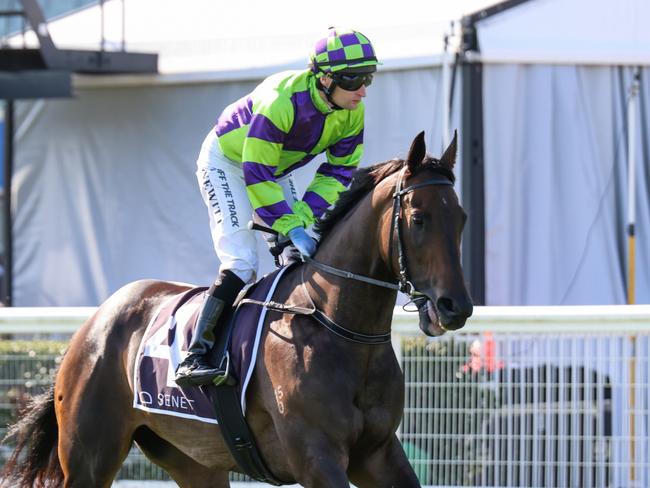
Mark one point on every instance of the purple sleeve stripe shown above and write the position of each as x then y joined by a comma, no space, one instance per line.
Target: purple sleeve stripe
297,165
262,128
225,125
343,174
317,203
271,213
235,116
346,146
257,173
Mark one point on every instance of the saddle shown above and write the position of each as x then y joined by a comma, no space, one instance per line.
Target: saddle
163,346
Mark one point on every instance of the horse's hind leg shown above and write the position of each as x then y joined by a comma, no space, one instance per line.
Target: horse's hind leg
94,439
92,446
185,471
96,422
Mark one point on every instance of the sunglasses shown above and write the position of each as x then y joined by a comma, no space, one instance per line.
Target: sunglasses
352,82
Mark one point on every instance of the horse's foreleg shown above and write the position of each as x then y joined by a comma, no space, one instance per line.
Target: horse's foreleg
325,473
387,467
317,461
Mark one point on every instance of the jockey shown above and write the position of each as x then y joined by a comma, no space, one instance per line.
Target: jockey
246,161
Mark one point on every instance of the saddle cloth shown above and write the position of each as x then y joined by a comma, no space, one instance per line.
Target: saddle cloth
167,338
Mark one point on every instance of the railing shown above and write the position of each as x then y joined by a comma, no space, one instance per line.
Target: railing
532,397
522,397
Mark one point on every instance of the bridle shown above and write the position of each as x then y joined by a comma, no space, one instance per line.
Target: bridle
404,284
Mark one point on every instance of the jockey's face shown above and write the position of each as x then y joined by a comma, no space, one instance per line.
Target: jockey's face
346,99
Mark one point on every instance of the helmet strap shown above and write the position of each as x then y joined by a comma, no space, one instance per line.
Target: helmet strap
328,92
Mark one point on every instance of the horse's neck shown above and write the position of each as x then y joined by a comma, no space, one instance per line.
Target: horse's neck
358,245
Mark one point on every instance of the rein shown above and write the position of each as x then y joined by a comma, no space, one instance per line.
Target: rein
347,274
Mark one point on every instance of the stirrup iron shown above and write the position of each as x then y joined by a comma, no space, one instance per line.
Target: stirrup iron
224,377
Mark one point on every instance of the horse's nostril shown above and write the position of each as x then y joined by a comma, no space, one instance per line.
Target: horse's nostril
445,305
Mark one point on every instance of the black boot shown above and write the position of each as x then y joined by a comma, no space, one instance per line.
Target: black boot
196,369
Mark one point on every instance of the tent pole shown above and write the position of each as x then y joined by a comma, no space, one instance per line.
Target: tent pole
631,220
445,94
7,279
473,182
631,184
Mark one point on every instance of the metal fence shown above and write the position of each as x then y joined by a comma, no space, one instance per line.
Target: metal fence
532,397
523,397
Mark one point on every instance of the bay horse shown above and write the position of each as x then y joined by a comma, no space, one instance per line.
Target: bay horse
324,410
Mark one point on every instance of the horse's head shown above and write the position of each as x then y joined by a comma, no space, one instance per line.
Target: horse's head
431,223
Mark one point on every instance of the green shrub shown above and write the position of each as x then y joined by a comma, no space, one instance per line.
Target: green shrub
26,368
33,348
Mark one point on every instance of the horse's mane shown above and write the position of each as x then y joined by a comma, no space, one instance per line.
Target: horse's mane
365,179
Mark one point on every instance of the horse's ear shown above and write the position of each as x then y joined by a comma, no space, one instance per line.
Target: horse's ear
417,152
448,159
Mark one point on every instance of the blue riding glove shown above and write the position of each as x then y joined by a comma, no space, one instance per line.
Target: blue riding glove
302,241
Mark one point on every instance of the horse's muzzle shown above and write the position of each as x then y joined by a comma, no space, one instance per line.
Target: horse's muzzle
443,314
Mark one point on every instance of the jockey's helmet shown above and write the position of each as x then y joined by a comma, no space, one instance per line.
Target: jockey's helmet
343,50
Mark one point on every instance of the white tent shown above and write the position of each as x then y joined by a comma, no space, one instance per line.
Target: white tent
556,79
105,191
104,185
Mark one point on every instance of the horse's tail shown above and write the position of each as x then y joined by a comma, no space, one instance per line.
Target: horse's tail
35,461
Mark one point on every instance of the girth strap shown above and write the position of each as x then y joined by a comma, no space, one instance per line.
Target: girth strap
236,433
232,424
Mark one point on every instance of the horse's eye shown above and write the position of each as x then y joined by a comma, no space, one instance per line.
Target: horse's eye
417,219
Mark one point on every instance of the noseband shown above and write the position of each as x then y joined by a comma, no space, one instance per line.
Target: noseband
404,285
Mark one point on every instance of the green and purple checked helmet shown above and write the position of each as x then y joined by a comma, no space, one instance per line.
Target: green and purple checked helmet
343,49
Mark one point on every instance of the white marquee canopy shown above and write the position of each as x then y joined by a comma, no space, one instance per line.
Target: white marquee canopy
104,183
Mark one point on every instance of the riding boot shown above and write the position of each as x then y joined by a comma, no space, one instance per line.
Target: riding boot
196,368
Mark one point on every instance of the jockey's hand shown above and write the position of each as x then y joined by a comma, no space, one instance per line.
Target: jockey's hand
302,241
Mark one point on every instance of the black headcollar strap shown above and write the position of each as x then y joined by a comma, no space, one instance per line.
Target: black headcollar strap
405,284
328,92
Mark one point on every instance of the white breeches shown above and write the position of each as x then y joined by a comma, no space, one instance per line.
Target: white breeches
222,186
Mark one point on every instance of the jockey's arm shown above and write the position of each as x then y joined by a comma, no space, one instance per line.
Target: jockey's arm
334,176
260,158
